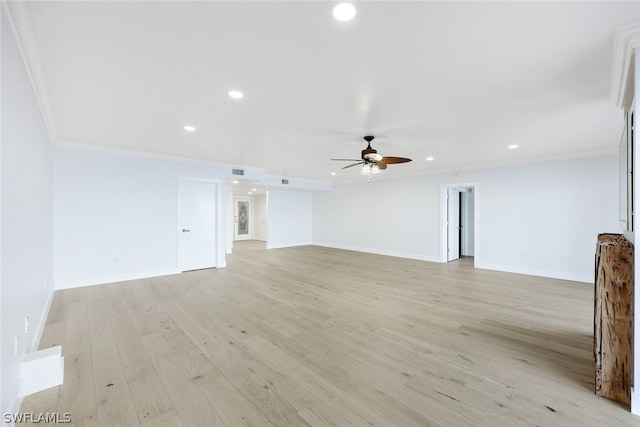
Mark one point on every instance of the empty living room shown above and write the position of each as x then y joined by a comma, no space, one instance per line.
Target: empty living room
319,213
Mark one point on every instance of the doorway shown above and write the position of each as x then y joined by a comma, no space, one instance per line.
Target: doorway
243,219
197,224
459,224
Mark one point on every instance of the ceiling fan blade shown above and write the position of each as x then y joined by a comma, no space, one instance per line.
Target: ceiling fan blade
381,166
391,160
346,160
355,164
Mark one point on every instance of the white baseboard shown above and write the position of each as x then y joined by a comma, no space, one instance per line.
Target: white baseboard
635,401
16,403
286,245
487,266
91,281
536,272
41,370
14,408
398,254
43,322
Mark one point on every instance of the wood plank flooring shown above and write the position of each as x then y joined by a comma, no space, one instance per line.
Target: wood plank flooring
325,337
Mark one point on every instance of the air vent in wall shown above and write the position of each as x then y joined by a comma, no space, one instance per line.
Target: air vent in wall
237,172
285,181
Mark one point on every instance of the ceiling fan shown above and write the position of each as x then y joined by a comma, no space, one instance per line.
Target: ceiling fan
371,161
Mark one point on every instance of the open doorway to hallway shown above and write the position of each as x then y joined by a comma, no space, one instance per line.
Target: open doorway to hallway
459,222
246,212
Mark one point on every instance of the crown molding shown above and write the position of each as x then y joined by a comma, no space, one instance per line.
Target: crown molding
255,174
20,23
117,151
626,40
461,169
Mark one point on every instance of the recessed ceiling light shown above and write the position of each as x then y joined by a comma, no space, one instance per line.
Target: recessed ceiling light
512,146
190,128
235,94
344,12
254,189
249,192
430,159
235,182
333,174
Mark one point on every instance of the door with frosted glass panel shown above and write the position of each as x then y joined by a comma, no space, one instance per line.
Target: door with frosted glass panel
242,219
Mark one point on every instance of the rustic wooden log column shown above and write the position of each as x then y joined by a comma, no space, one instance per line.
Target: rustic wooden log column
613,317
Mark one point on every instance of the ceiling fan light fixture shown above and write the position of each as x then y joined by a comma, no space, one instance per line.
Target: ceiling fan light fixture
366,170
375,169
373,156
344,12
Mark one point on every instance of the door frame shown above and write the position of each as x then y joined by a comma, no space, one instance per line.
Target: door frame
221,261
453,236
444,189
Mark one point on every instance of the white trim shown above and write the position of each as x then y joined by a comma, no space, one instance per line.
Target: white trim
16,403
255,175
41,325
41,370
536,272
14,408
286,245
398,174
409,255
635,398
20,23
101,280
626,38
116,151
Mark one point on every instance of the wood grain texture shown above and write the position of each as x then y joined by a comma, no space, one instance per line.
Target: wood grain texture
613,317
316,336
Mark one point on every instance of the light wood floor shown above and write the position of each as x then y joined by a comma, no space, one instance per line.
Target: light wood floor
316,336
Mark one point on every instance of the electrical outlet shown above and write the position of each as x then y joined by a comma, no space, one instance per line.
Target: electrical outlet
564,259
27,325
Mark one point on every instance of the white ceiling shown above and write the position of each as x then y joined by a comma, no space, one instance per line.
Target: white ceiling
455,80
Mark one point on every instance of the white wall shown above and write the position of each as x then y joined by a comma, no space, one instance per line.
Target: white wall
529,216
289,214
260,217
26,217
230,222
116,217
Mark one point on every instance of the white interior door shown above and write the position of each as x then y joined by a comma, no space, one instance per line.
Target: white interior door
197,225
467,221
453,224
242,219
